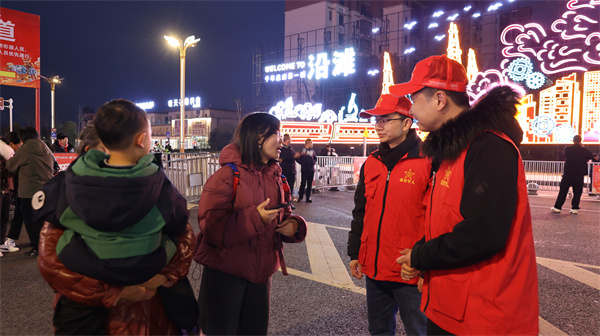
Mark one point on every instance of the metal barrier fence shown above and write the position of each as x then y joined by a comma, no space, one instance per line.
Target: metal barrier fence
189,171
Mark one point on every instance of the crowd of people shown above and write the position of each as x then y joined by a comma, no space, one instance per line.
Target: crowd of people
438,237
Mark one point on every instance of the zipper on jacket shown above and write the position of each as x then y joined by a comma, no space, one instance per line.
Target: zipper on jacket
387,183
429,227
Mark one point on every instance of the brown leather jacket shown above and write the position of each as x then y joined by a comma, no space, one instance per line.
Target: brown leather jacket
125,318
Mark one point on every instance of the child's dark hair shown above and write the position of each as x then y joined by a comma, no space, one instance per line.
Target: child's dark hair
117,122
27,133
88,139
11,137
249,131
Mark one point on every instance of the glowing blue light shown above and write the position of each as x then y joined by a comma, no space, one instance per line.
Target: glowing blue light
433,25
452,17
494,6
535,80
410,25
440,37
438,13
563,133
373,72
466,9
519,69
375,30
409,50
476,15
543,125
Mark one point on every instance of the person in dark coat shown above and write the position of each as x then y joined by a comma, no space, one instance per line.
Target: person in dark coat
287,161
62,145
307,161
576,158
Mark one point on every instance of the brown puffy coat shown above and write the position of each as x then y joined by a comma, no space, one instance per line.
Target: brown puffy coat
125,318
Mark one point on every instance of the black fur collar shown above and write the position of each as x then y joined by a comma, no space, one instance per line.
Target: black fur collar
494,111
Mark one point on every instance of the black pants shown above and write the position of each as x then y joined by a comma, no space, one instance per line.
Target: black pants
291,181
230,305
33,227
433,329
4,212
568,181
306,181
17,221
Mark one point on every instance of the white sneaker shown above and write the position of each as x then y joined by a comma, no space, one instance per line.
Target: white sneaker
11,245
7,248
574,211
1,255
555,210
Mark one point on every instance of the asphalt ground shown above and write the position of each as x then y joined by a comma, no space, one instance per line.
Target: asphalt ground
319,297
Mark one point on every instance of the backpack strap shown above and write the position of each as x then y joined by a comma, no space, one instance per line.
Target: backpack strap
236,177
286,186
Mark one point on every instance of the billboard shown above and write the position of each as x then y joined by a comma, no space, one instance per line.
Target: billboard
19,49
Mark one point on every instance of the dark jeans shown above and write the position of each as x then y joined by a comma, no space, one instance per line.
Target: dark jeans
306,181
385,299
4,214
33,227
230,305
565,183
434,330
17,222
291,181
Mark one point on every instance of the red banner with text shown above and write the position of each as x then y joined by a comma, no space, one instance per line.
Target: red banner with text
19,48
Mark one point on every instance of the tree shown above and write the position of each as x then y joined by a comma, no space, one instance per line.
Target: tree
220,137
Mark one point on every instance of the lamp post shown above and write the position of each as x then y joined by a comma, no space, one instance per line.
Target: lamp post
53,81
190,41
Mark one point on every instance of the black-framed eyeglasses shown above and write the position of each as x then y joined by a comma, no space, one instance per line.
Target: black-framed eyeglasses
383,121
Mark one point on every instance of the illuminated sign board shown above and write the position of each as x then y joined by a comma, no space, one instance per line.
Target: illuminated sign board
309,112
187,101
317,66
322,133
146,105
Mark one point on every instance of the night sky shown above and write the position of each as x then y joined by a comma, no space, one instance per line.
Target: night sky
116,49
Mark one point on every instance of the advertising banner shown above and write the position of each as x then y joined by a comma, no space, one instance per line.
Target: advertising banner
595,178
65,159
357,163
19,49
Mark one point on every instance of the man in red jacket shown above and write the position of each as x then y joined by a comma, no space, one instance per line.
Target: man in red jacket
477,254
388,217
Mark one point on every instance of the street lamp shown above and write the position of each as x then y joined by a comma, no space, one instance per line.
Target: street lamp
53,81
190,41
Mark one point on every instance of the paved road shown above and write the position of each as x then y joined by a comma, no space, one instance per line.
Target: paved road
320,298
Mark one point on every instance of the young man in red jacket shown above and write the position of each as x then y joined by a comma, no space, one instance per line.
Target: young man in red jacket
388,217
477,254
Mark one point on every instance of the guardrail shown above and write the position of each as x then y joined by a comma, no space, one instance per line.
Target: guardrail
189,171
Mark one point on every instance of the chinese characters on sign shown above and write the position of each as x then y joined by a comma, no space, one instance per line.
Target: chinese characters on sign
19,48
193,101
317,67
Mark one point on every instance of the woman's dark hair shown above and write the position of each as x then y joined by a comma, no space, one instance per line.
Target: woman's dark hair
27,133
250,130
117,122
88,138
11,137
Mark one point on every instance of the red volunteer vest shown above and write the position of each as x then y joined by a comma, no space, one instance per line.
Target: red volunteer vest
394,218
498,296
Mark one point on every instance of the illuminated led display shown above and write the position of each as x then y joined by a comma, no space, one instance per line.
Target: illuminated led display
454,52
315,67
438,14
590,121
535,80
542,126
472,69
187,101
562,102
309,112
388,76
520,68
146,105
433,25
322,133
452,17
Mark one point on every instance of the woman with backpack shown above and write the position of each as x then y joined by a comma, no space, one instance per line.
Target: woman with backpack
244,217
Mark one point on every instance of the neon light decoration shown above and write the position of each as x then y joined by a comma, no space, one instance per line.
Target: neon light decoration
571,44
519,69
542,126
590,121
146,105
472,69
308,112
535,80
388,76
322,133
563,133
187,101
316,67
454,52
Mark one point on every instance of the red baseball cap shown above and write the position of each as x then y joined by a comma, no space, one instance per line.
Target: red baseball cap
437,72
389,104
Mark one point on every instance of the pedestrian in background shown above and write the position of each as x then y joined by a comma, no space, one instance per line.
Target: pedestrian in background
34,164
307,161
477,253
240,239
576,158
10,196
6,152
62,145
327,151
388,217
287,162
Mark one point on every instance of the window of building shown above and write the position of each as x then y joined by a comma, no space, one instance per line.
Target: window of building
330,15
341,21
341,38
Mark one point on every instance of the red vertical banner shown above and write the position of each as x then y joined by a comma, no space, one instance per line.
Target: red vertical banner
356,164
19,49
596,179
